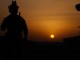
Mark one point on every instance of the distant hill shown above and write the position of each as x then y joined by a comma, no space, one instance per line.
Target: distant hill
72,43
75,39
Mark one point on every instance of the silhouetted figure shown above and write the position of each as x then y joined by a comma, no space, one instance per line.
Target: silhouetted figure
77,7
16,29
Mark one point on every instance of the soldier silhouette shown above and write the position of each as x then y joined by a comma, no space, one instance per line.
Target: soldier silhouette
15,27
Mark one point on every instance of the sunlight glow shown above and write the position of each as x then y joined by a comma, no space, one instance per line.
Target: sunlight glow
52,36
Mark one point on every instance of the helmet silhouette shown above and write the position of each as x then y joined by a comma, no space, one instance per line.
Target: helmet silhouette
13,8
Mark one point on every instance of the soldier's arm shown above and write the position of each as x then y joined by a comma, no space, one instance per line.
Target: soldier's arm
4,25
25,31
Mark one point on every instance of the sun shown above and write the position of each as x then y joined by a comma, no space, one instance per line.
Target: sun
52,36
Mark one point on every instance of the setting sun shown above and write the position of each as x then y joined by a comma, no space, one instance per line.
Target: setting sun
52,36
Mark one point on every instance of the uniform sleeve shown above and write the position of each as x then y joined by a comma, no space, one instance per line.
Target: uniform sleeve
25,27
25,30
4,24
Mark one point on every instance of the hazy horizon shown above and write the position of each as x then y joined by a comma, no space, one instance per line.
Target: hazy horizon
46,17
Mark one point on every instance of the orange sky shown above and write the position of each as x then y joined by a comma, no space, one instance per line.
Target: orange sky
46,17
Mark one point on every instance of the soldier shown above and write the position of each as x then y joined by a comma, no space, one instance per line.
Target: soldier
15,26
77,7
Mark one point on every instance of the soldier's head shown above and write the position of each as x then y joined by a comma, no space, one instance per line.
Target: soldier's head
13,8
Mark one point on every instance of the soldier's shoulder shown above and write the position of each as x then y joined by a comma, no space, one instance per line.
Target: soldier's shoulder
21,18
7,17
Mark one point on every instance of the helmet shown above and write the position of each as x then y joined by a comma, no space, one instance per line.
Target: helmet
13,8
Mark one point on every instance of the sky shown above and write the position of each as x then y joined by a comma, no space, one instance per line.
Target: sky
46,17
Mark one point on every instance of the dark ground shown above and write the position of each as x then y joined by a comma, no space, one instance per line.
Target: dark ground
45,48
